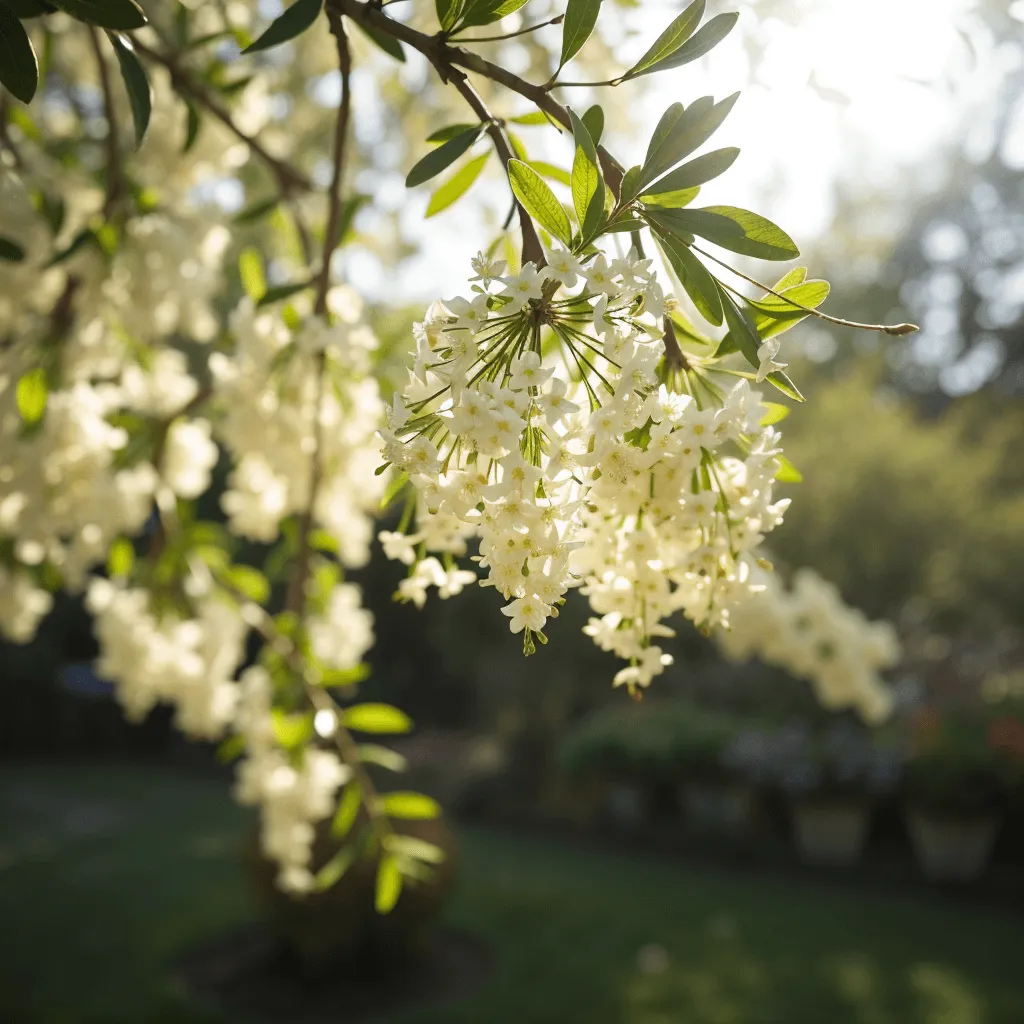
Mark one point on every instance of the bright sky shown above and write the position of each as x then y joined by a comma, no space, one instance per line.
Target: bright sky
854,90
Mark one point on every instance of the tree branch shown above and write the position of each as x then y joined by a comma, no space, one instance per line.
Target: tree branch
444,56
289,179
115,177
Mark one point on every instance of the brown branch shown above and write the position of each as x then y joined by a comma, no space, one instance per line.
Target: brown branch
443,55
289,178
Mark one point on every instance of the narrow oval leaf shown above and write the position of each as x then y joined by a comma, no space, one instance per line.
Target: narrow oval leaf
689,132
250,269
696,172
787,473
740,231
448,12
30,396
449,132
414,847
140,96
486,12
703,42
389,885
533,118
741,330
586,181
409,806
670,40
671,200
580,19
389,44
348,810
376,718
539,201
594,121
695,279
781,380
457,185
373,753
120,15
193,122
19,70
249,582
295,20
551,171
437,160
335,868
10,250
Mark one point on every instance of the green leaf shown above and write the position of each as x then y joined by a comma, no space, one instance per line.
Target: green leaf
678,135
10,250
256,211
539,201
373,753
775,413
282,291
248,582
395,487
704,41
376,718
389,885
348,810
437,160
593,120
335,868
551,171
409,806
295,20
31,394
449,132
414,847
120,557
140,96
773,315
695,279
250,268
695,172
457,185
671,200
741,330
587,181
580,19
670,40
534,117
781,380
630,187
343,677
291,730
192,124
349,208
119,15
793,277
448,12
231,749
486,12
788,473
389,44
739,231
19,69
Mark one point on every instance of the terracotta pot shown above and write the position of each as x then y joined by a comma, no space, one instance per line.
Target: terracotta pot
340,926
722,808
953,847
831,831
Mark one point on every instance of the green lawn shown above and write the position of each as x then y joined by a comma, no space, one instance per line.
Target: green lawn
106,874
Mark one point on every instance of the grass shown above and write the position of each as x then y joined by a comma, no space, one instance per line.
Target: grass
107,873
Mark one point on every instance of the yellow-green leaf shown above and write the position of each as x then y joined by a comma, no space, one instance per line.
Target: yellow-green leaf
539,201
389,884
31,395
409,805
250,268
457,185
376,718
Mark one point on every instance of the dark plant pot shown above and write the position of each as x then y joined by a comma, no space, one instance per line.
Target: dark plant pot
718,808
951,846
626,804
339,928
830,831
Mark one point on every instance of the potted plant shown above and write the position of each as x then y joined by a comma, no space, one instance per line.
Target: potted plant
957,779
831,775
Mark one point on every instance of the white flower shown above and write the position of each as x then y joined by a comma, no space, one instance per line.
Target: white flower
526,613
189,455
522,287
562,266
766,353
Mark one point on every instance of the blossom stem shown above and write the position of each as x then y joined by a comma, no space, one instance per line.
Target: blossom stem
512,35
896,330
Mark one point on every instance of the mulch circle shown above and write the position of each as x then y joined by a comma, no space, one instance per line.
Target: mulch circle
249,972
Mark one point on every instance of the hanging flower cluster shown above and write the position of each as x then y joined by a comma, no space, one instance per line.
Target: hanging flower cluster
812,633
535,420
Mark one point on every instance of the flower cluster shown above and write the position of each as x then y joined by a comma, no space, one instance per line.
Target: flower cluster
536,421
812,633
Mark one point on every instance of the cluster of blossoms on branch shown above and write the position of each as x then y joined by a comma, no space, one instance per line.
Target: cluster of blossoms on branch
563,426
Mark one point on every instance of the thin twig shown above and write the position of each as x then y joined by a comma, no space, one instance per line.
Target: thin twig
896,330
289,179
512,35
